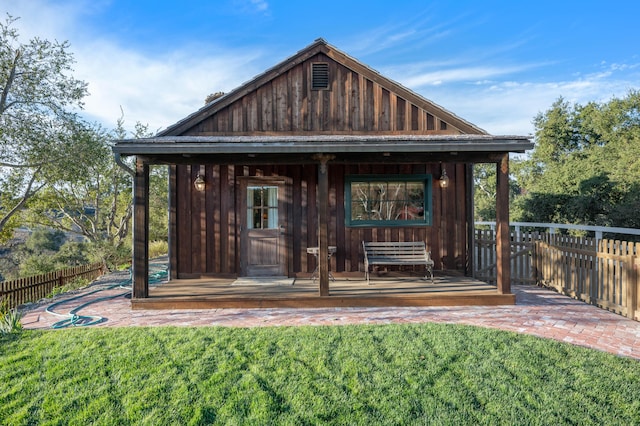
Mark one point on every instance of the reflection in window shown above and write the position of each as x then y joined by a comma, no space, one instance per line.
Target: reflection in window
391,200
262,207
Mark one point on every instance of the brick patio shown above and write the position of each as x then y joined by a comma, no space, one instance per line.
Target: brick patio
538,311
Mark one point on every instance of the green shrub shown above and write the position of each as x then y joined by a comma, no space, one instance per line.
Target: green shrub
43,240
72,254
9,318
110,255
37,264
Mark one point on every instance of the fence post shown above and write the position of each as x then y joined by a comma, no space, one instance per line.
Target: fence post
632,289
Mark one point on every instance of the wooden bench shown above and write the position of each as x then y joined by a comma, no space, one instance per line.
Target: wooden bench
397,253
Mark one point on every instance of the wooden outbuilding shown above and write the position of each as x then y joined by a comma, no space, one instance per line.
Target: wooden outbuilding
288,174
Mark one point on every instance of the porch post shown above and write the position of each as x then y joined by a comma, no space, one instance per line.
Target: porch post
141,230
503,246
323,224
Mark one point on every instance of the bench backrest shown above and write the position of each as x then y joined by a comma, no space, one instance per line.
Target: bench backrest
396,249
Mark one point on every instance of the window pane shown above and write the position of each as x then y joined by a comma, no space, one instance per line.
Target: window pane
255,219
257,196
271,199
415,191
379,202
390,210
397,191
360,192
359,211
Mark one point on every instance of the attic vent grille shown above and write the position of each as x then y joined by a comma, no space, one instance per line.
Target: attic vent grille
320,76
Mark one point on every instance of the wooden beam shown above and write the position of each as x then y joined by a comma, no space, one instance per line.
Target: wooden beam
503,246
141,231
470,226
323,224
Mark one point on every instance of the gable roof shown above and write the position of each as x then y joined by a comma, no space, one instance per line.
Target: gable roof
320,48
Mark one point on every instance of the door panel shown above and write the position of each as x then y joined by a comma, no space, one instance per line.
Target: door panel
263,237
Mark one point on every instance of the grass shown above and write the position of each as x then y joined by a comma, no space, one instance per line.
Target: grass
342,375
158,248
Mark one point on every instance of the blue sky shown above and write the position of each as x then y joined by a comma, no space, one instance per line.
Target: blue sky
495,63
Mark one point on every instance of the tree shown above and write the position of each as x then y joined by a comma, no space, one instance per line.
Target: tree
585,168
93,196
484,180
36,96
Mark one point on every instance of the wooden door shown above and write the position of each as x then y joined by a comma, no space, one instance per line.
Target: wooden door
263,219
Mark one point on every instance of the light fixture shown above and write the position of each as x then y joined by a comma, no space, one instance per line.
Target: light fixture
444,179
199,183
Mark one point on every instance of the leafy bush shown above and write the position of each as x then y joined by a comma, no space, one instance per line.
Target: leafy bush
72,254
110,255
42,240
37,264
9,318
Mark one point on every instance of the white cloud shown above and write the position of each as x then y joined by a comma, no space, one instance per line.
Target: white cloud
157,91
509,107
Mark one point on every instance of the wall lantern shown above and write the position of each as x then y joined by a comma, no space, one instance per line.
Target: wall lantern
444,179
199,183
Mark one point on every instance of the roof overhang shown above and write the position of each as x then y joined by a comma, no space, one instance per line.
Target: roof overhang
327,144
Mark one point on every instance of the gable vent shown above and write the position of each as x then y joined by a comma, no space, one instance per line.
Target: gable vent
320,76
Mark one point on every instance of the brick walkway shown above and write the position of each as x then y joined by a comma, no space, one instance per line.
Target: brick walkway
540,312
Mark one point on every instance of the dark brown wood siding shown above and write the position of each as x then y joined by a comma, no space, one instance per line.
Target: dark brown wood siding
352,103
206,230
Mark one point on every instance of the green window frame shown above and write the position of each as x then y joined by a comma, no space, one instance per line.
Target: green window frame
388,200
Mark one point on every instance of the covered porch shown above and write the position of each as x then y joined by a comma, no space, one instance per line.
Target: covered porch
348,290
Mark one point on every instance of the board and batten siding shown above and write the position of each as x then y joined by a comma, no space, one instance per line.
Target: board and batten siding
205,228
352,103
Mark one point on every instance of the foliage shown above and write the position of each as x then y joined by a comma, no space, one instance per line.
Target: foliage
42,240
56,171
484,175
36,94
44,250
9,318
74,284
94,199
158,203
113,257
585,168
158,248
392,374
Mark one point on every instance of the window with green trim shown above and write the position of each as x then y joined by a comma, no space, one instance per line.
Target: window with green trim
388,200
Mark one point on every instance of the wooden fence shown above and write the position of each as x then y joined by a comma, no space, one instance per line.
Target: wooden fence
600,272
485,262
34,288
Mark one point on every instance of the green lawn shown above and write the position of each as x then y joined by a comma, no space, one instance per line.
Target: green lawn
392,374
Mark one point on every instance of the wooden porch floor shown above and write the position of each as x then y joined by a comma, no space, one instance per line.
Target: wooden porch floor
346,291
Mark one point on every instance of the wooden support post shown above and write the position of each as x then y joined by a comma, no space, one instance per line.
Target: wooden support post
470,267
503,245
323,223
141,231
